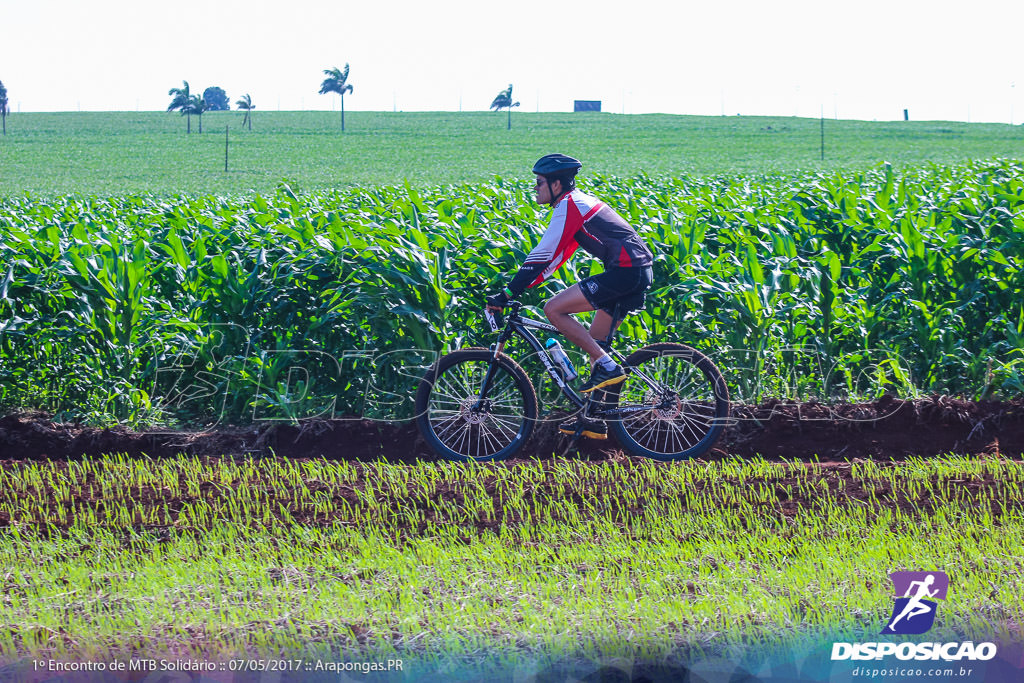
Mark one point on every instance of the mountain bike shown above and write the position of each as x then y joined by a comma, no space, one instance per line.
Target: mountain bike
479,404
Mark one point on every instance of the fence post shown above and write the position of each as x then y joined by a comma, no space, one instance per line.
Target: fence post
823,132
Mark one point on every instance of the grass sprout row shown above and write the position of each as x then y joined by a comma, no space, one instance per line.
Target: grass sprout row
214,557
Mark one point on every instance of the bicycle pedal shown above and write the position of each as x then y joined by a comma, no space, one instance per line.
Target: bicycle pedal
575,436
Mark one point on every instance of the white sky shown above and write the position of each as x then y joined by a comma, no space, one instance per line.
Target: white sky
868,59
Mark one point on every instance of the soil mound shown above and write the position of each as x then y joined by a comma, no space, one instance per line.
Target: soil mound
886,429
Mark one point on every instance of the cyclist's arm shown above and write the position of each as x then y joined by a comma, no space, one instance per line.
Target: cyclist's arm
524,279
554,249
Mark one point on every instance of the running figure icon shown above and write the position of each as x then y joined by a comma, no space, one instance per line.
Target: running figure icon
915,607
914,612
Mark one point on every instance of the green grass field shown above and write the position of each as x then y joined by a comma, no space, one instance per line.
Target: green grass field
122,153
207,559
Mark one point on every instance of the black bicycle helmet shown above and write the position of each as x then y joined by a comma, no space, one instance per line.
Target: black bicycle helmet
556,165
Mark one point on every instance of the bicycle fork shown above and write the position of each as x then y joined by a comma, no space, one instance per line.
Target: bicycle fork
485,386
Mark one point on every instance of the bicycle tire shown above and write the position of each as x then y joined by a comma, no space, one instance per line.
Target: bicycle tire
449,426
698,414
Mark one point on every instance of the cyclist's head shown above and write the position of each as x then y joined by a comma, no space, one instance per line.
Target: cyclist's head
555,168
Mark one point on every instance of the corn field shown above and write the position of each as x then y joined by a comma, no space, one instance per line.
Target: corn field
147,309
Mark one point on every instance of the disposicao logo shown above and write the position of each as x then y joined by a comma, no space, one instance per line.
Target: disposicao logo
916,595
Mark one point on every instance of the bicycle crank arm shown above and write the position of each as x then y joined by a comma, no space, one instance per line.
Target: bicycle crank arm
613,413
630,410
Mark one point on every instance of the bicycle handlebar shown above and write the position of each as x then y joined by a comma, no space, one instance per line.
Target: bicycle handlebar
496,319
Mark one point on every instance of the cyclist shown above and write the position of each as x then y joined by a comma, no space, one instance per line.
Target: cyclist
580,220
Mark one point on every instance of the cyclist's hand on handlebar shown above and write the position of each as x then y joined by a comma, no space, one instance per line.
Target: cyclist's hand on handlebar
497,302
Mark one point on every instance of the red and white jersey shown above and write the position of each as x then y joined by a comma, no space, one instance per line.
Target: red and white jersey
580,220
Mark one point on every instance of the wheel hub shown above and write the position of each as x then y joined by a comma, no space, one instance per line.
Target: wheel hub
669,407
471,414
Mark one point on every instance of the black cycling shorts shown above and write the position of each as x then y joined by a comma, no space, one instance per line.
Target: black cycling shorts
625,286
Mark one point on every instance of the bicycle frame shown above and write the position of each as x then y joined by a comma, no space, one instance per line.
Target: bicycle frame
519,325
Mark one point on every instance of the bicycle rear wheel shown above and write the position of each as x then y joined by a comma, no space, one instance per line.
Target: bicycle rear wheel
457,425
680,413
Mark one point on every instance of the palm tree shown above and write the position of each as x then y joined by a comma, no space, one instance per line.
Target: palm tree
182,100
337,81
3,105
198,105
245,104
504,101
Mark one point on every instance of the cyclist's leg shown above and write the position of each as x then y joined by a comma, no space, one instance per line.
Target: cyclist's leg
559,310
601,326
601,293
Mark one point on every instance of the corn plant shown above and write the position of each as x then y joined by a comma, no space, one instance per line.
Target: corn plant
832,286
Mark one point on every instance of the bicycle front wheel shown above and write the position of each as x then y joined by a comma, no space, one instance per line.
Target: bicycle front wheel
674,403
458,425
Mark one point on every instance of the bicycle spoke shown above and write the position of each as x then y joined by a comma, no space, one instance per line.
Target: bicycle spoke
508,426
493,444
446,425
647,426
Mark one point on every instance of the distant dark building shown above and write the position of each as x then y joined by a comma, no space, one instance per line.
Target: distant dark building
586,105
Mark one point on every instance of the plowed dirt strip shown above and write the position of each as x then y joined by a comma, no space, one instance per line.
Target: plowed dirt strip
886,429
190,493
